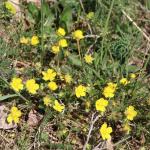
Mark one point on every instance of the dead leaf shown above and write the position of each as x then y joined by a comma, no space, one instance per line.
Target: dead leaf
34,118
3,115
142,141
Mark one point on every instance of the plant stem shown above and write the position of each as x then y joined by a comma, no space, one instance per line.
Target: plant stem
79,50
42,32
106,26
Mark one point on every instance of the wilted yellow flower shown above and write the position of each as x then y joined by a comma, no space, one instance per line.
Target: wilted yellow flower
109,90
47,101
87,104
88,58
50,74
52,86
101,104
58,107
68,78
34,40
66,53
130,113
124,81
10,7
38,66
61,32
132,76
63,43
60,76
14,115
78,35
126,128
80,91
24,40
16,84
90,15
55,49
105,131
32,86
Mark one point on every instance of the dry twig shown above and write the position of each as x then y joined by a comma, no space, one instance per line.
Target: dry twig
93,120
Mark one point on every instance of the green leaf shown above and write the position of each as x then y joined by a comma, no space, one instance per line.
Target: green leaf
74,59
33,9
132,68
45,8
66,17
2,98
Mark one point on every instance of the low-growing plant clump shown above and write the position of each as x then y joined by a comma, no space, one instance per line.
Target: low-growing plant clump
73,75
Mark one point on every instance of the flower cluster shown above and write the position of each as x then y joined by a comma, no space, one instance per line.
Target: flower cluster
62,43
56,105
33,41
31,85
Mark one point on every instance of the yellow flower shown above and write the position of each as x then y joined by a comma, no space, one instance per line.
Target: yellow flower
132,76
16,84
63,43
47,101
101,104
55,49
105,131
126,128
109,90
61,32
24,40
130,113
80,91
58,107
14,115
34,40
90,15
78,35
68,78
10,7
88,59
32,86
124,81
50,74
52,86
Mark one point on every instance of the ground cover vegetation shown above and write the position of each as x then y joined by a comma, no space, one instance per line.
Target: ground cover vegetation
75,75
